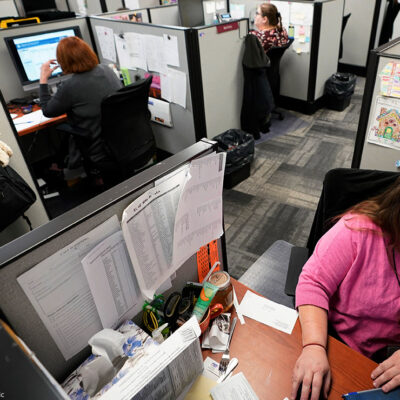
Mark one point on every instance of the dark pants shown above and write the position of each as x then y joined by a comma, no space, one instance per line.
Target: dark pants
387,26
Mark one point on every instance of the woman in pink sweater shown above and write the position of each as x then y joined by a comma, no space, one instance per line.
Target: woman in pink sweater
352,280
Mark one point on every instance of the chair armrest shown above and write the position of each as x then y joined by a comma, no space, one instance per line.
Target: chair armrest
298,257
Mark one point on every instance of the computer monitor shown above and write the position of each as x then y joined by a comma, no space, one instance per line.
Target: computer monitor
30,51
35,5
191,12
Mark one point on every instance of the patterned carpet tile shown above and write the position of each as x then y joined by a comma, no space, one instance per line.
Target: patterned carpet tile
279,199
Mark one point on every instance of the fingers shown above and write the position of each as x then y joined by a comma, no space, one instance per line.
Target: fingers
387,374
327,384
296,381
306,387
316,386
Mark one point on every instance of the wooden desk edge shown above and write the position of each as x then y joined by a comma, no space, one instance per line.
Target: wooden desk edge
269,368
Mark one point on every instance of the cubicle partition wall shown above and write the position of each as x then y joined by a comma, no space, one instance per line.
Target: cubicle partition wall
378,138
36,213
361,33
221,50
8,8
9,82
27,251
165,15
313,56
183,132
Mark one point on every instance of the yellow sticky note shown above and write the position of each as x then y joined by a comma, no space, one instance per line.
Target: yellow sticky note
200,389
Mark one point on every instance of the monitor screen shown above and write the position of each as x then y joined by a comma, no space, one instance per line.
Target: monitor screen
29,52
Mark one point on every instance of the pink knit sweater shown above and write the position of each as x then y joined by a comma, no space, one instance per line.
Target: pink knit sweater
349,275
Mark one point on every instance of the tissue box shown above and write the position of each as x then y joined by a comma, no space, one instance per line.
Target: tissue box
136,344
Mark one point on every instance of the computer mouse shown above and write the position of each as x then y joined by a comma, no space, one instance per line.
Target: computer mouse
26,110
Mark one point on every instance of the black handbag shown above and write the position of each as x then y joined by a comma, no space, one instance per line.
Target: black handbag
15,197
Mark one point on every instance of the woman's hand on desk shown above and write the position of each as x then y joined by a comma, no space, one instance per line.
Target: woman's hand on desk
47,69
312,372
387,374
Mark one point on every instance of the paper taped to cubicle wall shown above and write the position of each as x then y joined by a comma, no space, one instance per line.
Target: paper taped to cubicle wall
384,129
59,291
169,223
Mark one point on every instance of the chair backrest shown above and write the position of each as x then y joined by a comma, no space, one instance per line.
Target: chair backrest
126,128
275,54
342,189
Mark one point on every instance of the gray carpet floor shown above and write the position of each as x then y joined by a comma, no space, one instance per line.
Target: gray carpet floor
279,199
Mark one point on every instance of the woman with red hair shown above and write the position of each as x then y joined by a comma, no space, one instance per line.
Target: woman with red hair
352,280
81,95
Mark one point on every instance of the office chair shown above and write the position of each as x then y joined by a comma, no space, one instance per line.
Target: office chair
127,138
276,273
275,54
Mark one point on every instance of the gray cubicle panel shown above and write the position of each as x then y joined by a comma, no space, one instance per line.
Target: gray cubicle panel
369,155
213,7
165,15
36,213
8,8
10,84
183,133
23,254
93,7
303,75
222,73
361,33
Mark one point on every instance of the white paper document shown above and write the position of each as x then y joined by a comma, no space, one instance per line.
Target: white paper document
137,50
171,53
268,312
169,223
124,60
384,130
59,292
199,215
173,86
105,36
29,120
301,14
235,388
112,281
155,54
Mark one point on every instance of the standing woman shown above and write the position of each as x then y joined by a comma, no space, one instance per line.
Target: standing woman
270,31
80,96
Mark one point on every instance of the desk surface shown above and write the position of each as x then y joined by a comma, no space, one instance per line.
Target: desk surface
43,124
267,356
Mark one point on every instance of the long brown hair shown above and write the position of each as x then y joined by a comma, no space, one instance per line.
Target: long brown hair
271,12
75,56
384,211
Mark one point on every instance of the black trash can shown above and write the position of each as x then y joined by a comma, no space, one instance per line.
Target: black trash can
339,89
239,148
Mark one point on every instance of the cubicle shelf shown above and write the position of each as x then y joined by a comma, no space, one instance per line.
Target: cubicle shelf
369,155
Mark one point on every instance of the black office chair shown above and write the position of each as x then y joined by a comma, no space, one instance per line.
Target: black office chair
126,136
275,54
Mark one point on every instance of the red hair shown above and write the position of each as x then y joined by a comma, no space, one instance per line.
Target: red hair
75,56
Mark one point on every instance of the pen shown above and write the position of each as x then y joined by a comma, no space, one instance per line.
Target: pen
26,122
